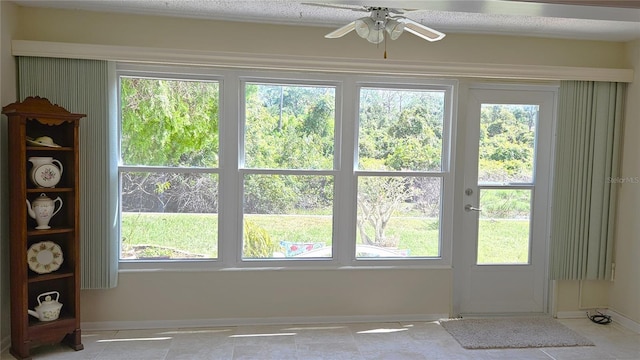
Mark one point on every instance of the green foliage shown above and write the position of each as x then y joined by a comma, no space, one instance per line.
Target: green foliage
175,123
169,122
319,119
268,194
507,146
399,130
505,204
412,154
289,127
415,143
403,128
280,194
257,242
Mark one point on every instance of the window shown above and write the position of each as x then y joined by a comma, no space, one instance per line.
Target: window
288,170
246,169
169,168
401,138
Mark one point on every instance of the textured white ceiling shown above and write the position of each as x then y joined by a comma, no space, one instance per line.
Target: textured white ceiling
450,16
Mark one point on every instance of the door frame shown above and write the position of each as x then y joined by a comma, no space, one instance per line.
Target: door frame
459,262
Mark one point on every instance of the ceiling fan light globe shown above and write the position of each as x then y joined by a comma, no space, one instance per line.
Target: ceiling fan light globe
364,27
376,36
394,28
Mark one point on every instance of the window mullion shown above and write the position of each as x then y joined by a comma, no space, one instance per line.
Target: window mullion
229,214
345,191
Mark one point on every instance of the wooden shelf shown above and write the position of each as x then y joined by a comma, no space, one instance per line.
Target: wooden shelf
38,117
64,319
49,190
49,231
33,278
44,148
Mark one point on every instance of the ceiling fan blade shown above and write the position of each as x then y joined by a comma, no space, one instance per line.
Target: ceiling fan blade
338,6
340,32
400,11
422,31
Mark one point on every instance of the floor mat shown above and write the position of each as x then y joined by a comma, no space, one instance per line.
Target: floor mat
513,332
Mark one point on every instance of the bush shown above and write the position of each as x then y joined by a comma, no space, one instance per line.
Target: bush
257,242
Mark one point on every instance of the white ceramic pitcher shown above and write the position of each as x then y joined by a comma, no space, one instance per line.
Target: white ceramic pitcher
44,173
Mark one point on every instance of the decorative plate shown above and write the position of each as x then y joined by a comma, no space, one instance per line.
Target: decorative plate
44,257
47,175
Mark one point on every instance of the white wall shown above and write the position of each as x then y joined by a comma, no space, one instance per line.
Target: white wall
625,291
227,297
8,25
252,295
193,34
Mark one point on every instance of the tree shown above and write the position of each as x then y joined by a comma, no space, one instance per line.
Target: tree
507,143
400,130
378,198
288,127
295,134
169,122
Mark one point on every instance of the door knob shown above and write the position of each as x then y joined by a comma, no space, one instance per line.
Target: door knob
469,207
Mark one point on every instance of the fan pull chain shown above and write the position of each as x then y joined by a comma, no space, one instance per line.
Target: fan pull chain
385,47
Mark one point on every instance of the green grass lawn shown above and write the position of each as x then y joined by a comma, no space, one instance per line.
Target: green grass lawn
503,241
500,241
194,233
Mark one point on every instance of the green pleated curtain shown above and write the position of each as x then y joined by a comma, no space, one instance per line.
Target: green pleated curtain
83,86
584,192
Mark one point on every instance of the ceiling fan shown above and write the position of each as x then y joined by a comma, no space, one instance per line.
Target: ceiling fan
381,19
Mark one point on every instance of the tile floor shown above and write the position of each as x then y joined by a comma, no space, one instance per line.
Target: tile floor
419,340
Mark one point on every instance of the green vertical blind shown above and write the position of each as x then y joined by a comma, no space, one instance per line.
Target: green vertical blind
584,195
82,86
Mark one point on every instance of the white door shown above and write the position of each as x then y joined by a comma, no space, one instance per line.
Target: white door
500,265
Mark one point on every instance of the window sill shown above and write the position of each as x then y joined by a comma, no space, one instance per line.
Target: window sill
215,266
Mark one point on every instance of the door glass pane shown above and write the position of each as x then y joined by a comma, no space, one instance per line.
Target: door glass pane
504,226
398,217
287,216
507,143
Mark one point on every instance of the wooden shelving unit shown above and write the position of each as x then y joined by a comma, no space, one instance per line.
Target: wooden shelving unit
33,118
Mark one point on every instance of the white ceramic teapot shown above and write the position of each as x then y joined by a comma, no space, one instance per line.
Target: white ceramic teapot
43,209
44,173
49,309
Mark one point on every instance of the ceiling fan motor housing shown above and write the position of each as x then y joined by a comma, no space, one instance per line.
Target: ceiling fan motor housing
379,17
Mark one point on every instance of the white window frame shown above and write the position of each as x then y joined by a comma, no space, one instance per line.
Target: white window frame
345,172
282,79
446,168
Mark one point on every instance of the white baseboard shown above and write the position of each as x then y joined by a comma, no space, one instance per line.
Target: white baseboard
571,314
172,324
617,318
624,321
